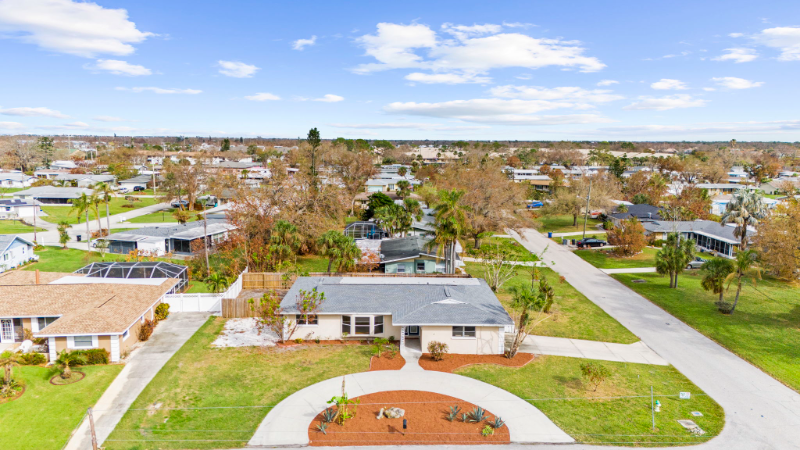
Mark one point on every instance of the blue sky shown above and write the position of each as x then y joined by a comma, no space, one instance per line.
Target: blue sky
527,70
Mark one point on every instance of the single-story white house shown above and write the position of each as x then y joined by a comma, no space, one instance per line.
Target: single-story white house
463,313
14,251
170,238
137,181
18,209
52,194
15,180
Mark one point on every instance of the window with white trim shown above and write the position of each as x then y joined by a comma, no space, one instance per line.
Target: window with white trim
307,319
82,341
346,325
125,335
420,266
464,332
362,325
45,321
378,328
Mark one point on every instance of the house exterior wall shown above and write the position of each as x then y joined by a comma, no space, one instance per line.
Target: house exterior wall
330,327
19,252
485,342
7,212
411,265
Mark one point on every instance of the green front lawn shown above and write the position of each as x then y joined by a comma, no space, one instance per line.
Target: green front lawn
164,216
574,316
565,397
9,191
516,252
312,263
605,259
56,214
44,417
16,227
199,376
579,236
57,259
763,329
198,287
563,224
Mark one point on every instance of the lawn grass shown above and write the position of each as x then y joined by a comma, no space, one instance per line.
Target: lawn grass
45,415
579,236
16,227
9,191
312,263
553,379
198,287
516,251
574,316
56,214
57,259
120,230
164,216
763,329
605,259
563,224
199,376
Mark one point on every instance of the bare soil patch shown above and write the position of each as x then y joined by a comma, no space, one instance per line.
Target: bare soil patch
386,363
426,413
452,362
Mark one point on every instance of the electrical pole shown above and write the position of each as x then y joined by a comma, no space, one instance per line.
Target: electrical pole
205,240
586,214
91,428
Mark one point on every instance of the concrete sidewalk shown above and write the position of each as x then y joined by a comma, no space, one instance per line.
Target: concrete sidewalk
167,339
637,352
631,270
286,425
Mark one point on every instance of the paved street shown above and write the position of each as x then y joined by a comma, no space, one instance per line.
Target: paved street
761,413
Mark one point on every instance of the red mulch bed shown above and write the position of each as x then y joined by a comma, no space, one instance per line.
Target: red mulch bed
11,399
329,342
427,423
453,362
386,363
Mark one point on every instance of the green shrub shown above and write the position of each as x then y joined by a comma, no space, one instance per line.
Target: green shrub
93,356
146,330
595,373
437,350
162,311
32,359
658,243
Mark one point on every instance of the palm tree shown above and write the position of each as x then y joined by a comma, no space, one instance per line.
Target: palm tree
450,225
105,192
715,271
8,360
94,202
285,240
82,205
66,360
673,257
63,236
393,218
217,282
745,209
414,208
403,188
743,267
329,245
348,254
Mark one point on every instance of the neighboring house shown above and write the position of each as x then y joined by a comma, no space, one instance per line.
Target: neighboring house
361,199
49,174
14,251
75,312
364,230
380,185
15,180
709,235
85,180
714,189
425,226
52,194
18,209
66,165
174,238
137,181
463,313
643,212
410,255
773,187
720,203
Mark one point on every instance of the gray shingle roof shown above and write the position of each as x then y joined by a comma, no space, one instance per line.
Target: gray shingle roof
7,239
641,212
704,227
405,248
187,231
410,301
53,192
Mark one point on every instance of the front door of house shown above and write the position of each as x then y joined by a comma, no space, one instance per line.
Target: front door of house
412,331
6,331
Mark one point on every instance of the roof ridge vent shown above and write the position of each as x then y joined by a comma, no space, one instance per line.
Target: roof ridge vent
448,301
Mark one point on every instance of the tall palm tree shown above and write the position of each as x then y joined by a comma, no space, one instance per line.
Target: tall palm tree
347,255
744,267
450,224
94,201
393,218
217,281
673,257
745,209
105,191
285,241
329,245
82,205
715,271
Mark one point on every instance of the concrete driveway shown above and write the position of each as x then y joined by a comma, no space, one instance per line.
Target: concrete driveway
760,412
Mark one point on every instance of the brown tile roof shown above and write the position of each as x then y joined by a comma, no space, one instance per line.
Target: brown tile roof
83,308
21,277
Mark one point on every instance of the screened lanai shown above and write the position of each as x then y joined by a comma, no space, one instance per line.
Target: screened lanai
138,270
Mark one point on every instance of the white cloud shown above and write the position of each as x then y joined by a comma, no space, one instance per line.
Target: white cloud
300,44
607,82
157,90
476,49
31,112
262,97
709,89
77,28
11,126
787,39
736,83
406,125
446,78
665,103
107,119
118,67
666,84
737,55
236,69
76,125
723,128
329,98
736,35
574,94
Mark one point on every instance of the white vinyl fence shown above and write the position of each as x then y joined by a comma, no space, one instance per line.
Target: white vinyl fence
203,302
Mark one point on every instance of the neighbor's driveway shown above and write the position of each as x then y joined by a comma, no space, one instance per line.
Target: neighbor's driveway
167,339
760,412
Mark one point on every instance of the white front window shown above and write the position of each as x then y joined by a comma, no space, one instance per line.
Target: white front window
362,325
82,341
463,332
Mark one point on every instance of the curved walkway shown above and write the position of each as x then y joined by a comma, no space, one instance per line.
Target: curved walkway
287,424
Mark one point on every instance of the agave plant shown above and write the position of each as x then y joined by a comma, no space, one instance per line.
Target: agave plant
329,415
454,410
464,417
497,422
477,415
323,428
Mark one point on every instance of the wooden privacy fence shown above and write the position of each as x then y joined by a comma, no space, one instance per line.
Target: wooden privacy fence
277,280
236,307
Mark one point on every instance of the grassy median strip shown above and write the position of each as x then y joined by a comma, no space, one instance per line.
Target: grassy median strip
763,329
619,410
233,382
605,259
55,214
